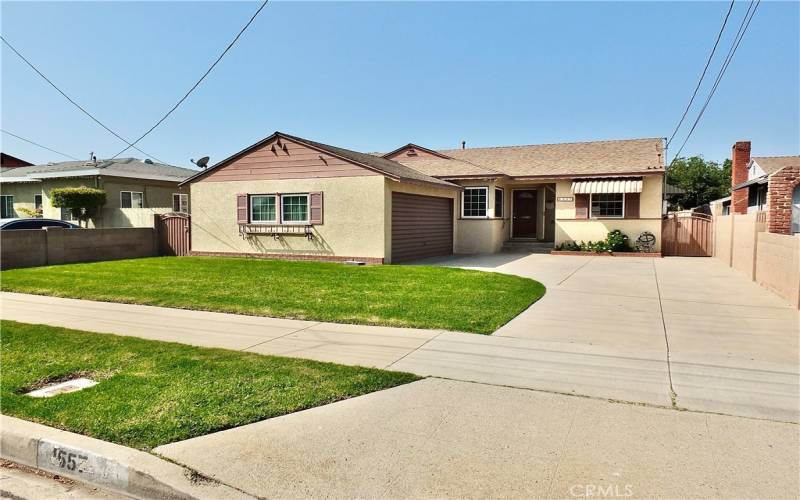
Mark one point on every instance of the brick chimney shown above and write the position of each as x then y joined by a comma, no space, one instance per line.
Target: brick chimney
740,158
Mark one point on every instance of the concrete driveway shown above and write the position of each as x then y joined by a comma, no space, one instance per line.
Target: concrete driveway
686,332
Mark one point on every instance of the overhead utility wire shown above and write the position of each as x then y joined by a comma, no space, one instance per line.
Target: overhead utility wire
703,74
38,145
748,16
230,45
34,68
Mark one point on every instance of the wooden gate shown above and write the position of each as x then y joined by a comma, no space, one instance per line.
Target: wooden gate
687,234
173,234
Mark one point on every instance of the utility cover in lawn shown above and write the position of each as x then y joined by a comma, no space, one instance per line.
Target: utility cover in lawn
152,393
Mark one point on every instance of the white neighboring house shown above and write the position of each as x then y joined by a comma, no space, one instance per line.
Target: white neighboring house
135,190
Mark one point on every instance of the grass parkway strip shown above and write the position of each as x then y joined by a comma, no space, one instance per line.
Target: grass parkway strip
152,393
401,296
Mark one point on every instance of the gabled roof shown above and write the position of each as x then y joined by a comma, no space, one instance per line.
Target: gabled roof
120,167
619,157
411,145
6,158
771,164
388,168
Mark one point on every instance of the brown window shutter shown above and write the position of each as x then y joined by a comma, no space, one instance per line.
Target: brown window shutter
581,206
631,205
315,207
242,210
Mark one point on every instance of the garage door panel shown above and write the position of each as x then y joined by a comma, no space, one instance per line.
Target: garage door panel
422,226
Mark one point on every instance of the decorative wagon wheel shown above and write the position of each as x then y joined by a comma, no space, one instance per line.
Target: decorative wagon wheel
646,242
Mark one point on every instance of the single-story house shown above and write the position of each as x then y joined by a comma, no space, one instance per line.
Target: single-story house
290,197
135,190
766,183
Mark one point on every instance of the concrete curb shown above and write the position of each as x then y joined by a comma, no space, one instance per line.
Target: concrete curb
106,465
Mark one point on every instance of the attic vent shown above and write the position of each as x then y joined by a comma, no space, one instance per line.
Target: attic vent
412,152
149,161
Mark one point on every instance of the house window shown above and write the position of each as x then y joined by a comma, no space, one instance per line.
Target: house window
607,204
498,202
37,202
7,206
262,209
66,214
757,197
474,202
131,199
180,203
294,208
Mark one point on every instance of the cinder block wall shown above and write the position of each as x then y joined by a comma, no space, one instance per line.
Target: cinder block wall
778,265
51,246
771,260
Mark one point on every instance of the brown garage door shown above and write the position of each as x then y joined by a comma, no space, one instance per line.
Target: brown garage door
422,226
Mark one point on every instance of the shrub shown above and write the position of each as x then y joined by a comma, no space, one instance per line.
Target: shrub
616,241
83,202
27,212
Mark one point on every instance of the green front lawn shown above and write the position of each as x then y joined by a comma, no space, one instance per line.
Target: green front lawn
151,393
406,296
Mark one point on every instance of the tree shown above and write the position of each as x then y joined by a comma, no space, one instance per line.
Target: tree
702,181
83,202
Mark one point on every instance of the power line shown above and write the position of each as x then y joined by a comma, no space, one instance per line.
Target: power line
263,4
37,144
34,68
735,45
702,75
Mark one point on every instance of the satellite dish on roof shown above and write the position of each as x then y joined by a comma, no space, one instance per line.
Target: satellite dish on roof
202,162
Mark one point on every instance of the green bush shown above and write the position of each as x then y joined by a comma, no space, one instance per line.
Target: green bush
616,241
83,202
28,212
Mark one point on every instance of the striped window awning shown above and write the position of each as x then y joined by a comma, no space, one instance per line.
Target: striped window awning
607,186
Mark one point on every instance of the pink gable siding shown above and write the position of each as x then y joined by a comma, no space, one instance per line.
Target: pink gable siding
283,159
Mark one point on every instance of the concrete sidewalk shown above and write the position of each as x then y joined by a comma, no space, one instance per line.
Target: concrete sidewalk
447,439
631,329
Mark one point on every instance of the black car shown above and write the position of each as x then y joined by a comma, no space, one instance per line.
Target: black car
8,224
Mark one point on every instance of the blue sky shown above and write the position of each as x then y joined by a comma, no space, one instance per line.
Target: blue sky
371,76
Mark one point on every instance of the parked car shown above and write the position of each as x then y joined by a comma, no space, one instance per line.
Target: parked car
7,224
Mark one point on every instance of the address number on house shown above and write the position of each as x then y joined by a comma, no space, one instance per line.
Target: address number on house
565,198
61,459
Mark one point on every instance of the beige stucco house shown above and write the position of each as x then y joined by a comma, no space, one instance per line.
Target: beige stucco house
135,190
294,198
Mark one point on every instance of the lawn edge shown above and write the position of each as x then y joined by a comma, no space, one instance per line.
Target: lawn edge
125,470
58,294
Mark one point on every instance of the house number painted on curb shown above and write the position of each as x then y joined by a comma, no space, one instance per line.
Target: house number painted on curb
90,467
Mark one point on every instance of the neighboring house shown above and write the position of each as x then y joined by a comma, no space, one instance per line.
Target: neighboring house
8,161
135,189
291,197
766,183
721,206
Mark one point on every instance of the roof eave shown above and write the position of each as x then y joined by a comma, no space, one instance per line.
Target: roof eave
763,179
589,175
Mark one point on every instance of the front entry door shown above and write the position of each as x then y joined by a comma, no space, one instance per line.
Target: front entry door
524,214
